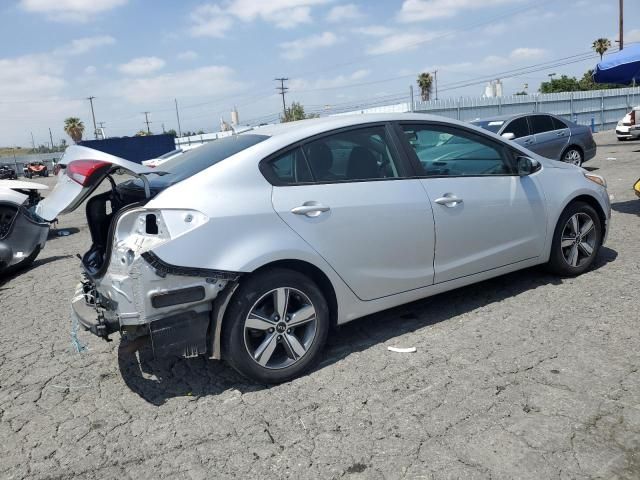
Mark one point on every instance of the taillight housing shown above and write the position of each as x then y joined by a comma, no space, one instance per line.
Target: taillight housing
80,171
632,116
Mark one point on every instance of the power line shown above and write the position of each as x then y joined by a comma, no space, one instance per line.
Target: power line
282,89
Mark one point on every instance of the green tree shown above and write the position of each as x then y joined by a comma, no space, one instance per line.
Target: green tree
521,93
172,132
296,112
601,45
587,83
142,133
74,127
562,84
425,84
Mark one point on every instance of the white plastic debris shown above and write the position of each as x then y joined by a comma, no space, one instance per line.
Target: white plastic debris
611,158
402,350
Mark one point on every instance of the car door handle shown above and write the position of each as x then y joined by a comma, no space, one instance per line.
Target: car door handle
528,141
310,210
448,200
560,134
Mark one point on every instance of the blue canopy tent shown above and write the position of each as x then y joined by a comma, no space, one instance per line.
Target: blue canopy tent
622,67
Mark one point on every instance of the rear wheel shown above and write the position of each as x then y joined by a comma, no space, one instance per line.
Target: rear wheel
276,326
576,240
573,156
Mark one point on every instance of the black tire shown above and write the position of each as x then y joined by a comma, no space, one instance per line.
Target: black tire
560,260
238,339
573,155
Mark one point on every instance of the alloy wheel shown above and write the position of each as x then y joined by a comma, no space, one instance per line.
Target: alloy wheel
573,157
280,328
578,241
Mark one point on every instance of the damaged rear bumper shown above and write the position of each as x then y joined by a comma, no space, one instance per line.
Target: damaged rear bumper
173,305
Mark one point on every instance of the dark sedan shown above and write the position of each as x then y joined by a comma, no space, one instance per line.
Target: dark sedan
7,173
546,135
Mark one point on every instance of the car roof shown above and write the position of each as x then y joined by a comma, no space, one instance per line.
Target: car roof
290,132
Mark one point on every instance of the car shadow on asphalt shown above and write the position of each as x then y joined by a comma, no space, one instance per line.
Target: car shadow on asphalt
157,380
12,273
630,206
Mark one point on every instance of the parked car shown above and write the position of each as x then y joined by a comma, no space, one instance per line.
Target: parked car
22,234
7,172
251,247
545,134
628,128
34,169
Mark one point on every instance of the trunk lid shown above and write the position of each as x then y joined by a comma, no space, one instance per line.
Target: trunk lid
82,170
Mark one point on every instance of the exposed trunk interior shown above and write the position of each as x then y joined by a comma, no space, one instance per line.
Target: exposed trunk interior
101,211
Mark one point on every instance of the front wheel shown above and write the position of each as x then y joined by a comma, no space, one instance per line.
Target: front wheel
276,326
576,240
573,156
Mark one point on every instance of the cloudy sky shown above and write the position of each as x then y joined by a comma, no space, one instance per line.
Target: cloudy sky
138,55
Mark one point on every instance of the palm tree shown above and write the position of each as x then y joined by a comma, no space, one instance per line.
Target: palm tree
601,45
425,82
74,127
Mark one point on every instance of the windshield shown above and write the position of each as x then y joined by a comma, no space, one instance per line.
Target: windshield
193,161
491,125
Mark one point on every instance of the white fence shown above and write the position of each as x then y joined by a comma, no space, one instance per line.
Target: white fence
603,108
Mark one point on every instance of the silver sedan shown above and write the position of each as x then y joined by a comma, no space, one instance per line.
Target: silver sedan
250,248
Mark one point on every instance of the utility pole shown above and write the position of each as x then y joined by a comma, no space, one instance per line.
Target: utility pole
51,138
621,26
178,117
33,143
93,115
435,80
101,130
163,130
146,120
282,89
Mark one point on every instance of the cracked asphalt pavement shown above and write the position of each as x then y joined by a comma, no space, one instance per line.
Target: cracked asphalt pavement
524,376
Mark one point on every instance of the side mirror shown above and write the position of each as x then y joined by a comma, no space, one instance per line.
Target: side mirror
509,135
526,165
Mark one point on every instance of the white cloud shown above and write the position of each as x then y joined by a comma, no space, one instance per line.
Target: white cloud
216,19
199,82
209,21
84,45
90,70
401,42
632,36
297,49
527,53
301,84
187,55
31,90
142,66
375,30
518,55
420,10
71,10
341,13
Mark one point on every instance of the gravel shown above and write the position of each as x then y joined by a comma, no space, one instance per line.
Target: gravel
525,376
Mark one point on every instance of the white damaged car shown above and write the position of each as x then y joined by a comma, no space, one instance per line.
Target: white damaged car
251,247
22,234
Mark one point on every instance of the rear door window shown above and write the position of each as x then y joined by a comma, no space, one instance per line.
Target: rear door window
541,123
558,124
353,155
290,168
519,127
